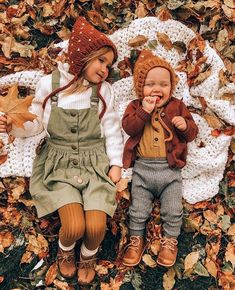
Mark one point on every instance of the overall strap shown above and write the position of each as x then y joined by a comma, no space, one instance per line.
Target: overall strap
94,95
55,85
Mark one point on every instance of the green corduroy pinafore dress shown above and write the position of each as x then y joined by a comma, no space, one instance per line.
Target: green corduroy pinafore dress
72,166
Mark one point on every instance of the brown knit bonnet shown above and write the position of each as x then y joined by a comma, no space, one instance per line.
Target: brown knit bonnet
145,62
84,40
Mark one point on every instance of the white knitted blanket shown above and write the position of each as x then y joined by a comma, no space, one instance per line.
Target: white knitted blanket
205,165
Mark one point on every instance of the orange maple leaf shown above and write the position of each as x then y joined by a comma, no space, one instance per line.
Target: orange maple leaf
15,108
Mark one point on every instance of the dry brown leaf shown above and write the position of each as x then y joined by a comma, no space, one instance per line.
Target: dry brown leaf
60,285
229,12
51,274
155,246
164,39
64,33
96,19
169,279
180,46
6,239
231,230
137,41
230,253
211,267
47,10
214,20
58,8
3,158
226,281
197,43
148,260
26,258
163,14
213,121
141,11
201,77
17,108
190,260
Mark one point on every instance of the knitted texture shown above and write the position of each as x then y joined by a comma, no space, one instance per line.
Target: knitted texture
205,164
145,62
84,40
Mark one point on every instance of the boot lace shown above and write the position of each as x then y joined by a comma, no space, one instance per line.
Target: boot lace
134,242
65,256
87,264
169,243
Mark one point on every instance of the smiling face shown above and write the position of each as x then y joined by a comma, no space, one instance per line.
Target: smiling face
158,85
97,70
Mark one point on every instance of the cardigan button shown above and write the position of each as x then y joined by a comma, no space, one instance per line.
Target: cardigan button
74,147
163,114
156,139
73,130
73,114
75,162
156,119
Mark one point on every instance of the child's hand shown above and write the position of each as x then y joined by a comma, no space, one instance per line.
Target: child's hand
5,124
148,104
115,173
180,123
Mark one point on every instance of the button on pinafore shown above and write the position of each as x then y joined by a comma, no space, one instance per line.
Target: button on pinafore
72,167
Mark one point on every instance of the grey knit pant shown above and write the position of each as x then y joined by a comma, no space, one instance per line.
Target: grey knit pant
152,178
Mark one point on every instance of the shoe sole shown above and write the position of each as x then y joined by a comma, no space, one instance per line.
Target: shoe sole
164,265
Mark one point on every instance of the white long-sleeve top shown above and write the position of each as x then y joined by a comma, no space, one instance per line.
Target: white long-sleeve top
110,123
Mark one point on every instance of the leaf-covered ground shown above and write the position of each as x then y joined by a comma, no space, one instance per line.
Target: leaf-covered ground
206,257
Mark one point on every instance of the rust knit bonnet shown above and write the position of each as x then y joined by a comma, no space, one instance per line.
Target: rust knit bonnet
145,62
84,40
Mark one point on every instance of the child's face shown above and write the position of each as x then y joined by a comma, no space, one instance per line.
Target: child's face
98,69
158,85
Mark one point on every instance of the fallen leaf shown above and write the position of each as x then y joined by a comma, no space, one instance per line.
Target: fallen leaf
190,260
163,14
152,44
141,11
3,158
6,239
226,280
51,274
230,253
137,41
200,270
164,40
210,216
180,46
211,267
16,108
229,12
231,230
169,279
155,246
148,260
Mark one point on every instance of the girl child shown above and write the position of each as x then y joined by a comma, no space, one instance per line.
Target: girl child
159,126
78,165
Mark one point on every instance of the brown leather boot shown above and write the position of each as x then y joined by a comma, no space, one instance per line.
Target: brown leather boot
86,270
134,251
66,263
168,252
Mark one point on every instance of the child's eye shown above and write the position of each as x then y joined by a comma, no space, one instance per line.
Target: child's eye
101,60
149,84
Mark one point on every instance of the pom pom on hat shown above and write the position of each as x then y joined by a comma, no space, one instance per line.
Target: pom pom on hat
145,62
85,39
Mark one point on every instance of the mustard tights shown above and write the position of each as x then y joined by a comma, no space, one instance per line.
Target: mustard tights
75,224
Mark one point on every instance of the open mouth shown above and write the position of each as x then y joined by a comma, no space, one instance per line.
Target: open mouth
158,98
